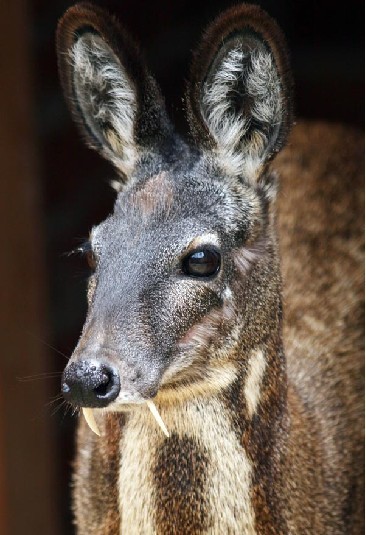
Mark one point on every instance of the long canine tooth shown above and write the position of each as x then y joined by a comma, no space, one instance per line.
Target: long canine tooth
90,420
157,417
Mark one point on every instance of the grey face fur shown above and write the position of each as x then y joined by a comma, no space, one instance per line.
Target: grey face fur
147,318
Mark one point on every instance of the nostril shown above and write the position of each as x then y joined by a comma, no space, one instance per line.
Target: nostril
102,389
106,389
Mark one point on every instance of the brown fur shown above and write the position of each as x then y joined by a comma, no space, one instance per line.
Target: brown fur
323,331
178,501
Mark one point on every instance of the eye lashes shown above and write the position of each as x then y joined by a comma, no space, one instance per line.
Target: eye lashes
82,249
86,251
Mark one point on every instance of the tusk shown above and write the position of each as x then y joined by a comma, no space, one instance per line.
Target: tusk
157,417
90,420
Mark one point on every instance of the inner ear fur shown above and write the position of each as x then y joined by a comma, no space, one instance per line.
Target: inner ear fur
146,122
249,27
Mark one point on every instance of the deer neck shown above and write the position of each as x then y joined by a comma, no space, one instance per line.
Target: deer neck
216,470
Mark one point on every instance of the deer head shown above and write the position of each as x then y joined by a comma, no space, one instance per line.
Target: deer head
186,277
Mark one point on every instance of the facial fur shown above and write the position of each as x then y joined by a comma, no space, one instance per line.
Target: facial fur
157,318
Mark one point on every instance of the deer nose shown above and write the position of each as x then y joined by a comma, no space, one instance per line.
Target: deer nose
90,383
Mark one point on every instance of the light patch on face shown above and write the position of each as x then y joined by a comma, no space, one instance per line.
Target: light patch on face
125,397
227,294
253,381
216,379
156,196
245,257
208,238
201,334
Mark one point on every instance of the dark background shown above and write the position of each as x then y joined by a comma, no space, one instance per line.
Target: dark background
69,192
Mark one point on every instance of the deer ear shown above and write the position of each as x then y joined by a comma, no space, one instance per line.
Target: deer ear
239,95
108,88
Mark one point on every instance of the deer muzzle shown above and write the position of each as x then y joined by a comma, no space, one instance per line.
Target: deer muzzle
90,383
104,382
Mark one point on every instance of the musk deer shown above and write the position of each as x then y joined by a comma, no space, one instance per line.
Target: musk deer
261,418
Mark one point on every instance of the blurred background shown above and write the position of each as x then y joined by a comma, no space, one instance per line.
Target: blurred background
53,189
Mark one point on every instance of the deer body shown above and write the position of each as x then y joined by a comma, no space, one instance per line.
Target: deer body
185,305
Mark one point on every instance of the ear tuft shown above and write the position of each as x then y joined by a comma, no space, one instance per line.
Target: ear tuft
238,100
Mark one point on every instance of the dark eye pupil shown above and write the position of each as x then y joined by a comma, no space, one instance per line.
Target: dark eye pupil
202,263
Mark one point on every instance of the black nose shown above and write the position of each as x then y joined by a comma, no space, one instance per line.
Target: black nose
90,383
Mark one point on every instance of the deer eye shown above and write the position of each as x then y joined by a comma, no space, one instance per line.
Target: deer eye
87,252
204,262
